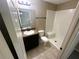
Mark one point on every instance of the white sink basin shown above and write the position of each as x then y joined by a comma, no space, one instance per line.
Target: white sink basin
29,32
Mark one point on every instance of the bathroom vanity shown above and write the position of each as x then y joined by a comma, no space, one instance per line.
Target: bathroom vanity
31,39
30,35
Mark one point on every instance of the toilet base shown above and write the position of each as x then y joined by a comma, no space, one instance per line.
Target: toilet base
44,40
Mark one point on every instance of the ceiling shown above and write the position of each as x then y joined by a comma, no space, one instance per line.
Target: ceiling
57,1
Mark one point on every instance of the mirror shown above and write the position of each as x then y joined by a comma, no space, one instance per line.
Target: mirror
27,18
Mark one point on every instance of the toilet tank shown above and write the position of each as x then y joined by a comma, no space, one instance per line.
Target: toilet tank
41,32
51,35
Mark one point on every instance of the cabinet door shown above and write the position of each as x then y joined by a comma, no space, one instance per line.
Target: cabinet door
31,41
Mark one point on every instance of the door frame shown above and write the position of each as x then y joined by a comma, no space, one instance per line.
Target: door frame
74,40
7,37
70,35
15,34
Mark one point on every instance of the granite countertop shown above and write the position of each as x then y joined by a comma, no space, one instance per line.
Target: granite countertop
28,33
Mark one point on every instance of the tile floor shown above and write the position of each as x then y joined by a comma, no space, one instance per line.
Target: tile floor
43,52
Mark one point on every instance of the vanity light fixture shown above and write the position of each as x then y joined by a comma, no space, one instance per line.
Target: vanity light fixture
24,3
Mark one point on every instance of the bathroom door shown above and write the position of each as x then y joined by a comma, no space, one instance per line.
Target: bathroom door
5,52
10,16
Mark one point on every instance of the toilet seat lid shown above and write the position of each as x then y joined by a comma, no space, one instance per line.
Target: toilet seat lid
45,39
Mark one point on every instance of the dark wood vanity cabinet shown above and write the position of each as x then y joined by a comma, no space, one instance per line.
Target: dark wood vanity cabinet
31,41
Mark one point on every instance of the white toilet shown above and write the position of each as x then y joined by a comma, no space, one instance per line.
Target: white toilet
44,39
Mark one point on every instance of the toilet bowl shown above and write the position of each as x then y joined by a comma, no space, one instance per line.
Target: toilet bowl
44,39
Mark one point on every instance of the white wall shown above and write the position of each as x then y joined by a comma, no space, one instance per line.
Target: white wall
62,22
39,6
68,5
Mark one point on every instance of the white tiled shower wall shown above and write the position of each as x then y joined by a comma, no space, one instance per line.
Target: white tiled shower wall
49,20
60,25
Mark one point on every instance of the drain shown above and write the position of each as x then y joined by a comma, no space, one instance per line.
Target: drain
60,48
55,41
